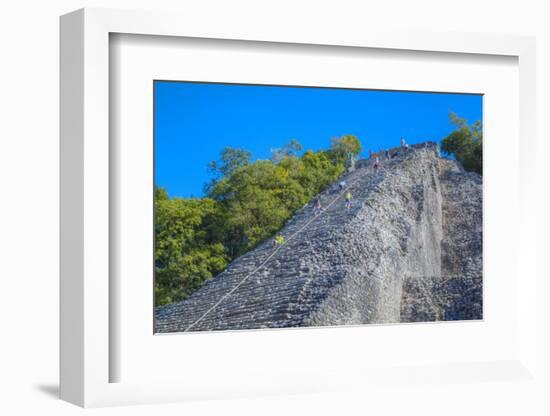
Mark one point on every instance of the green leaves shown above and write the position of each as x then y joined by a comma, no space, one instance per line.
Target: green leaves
231,159
343,146
185,257
465,143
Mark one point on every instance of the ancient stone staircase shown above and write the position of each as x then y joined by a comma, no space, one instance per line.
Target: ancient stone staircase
341,266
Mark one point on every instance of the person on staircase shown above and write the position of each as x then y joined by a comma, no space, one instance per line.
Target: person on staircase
350,163
348,200
404,145
317,208
376,165
278,241
342,185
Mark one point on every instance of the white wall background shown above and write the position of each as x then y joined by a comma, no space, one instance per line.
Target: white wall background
29,205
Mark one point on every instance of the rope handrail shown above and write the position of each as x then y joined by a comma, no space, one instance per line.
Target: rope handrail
323,210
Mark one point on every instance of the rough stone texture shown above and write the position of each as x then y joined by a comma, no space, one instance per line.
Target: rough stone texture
457,293
409,249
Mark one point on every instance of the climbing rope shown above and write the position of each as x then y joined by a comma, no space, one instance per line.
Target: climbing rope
323,210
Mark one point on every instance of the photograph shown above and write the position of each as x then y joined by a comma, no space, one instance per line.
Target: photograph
274,208
279,206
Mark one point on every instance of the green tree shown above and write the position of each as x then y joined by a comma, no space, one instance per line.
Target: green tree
184,256
230,160
292,148
319,171
343,146
465,143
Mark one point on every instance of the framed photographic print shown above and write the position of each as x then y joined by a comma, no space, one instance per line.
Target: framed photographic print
283,232
269,211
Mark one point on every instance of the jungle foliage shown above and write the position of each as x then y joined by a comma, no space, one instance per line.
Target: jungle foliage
465,144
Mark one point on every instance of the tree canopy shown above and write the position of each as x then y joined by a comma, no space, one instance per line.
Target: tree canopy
185,255
343,146
465,143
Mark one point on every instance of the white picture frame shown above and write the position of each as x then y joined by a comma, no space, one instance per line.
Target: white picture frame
85,352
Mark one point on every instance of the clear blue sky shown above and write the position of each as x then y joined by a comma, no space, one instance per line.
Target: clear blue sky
195,121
